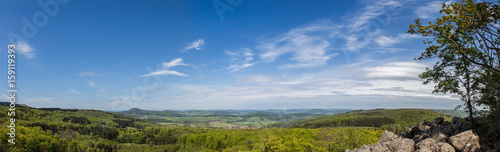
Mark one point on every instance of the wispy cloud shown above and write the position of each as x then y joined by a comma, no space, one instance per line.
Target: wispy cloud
395,71
366,26
165,69
73,91
410,36
393,83
313,45
430,10
90,74
386,41
197,45
309,45
25,49
91,84
241,59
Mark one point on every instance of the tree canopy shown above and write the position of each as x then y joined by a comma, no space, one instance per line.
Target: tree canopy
465,40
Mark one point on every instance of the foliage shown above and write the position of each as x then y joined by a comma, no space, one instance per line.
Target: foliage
465,39
392,119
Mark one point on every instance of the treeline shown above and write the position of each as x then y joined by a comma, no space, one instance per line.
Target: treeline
392,119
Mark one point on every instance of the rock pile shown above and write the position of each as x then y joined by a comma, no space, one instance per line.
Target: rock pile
435,136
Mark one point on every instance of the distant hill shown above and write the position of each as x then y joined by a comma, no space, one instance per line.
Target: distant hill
456,113
136,112
397,118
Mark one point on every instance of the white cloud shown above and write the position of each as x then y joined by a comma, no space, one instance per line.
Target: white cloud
73,91
386,41
92,84
258,78
25,49
165,69
410,36
365,27
197,45
309,45
312,45
372,11
430,10
238,67
240,59
395,71
324,89
90,74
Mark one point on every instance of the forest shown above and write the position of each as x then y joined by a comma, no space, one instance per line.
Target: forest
93,130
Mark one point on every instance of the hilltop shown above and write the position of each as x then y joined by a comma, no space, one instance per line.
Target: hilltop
384,118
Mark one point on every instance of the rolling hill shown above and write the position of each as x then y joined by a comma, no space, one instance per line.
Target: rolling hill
384,118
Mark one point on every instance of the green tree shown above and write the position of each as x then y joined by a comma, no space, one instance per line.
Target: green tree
466,41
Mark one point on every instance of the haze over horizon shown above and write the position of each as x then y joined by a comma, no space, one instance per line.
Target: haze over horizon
187,55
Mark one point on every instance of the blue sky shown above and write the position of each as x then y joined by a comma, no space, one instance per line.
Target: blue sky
217,54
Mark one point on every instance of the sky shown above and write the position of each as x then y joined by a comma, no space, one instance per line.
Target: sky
218,54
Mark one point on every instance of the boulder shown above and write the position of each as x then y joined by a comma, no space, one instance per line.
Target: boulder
455,120
387,136
420,137
466,141
438,121
447,123
445,147
405,145
440,137
381,148
466,126
428,144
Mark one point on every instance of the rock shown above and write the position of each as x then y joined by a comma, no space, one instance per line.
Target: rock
438,121
440,137
387,136
405,145
445,147
447,123
455,119
381,148
422,127
428,144
448,130
435,131
425,149
466,126
466,141
418,138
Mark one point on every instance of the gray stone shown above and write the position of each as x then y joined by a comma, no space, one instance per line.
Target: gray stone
381,148
440,137
405,145
466,126
438,121
447,123
466,141
427,143
455,119
445,147
387,136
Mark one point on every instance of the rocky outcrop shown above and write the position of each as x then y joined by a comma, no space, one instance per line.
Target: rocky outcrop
435,136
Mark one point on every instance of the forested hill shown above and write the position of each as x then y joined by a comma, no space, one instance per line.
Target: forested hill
384,118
